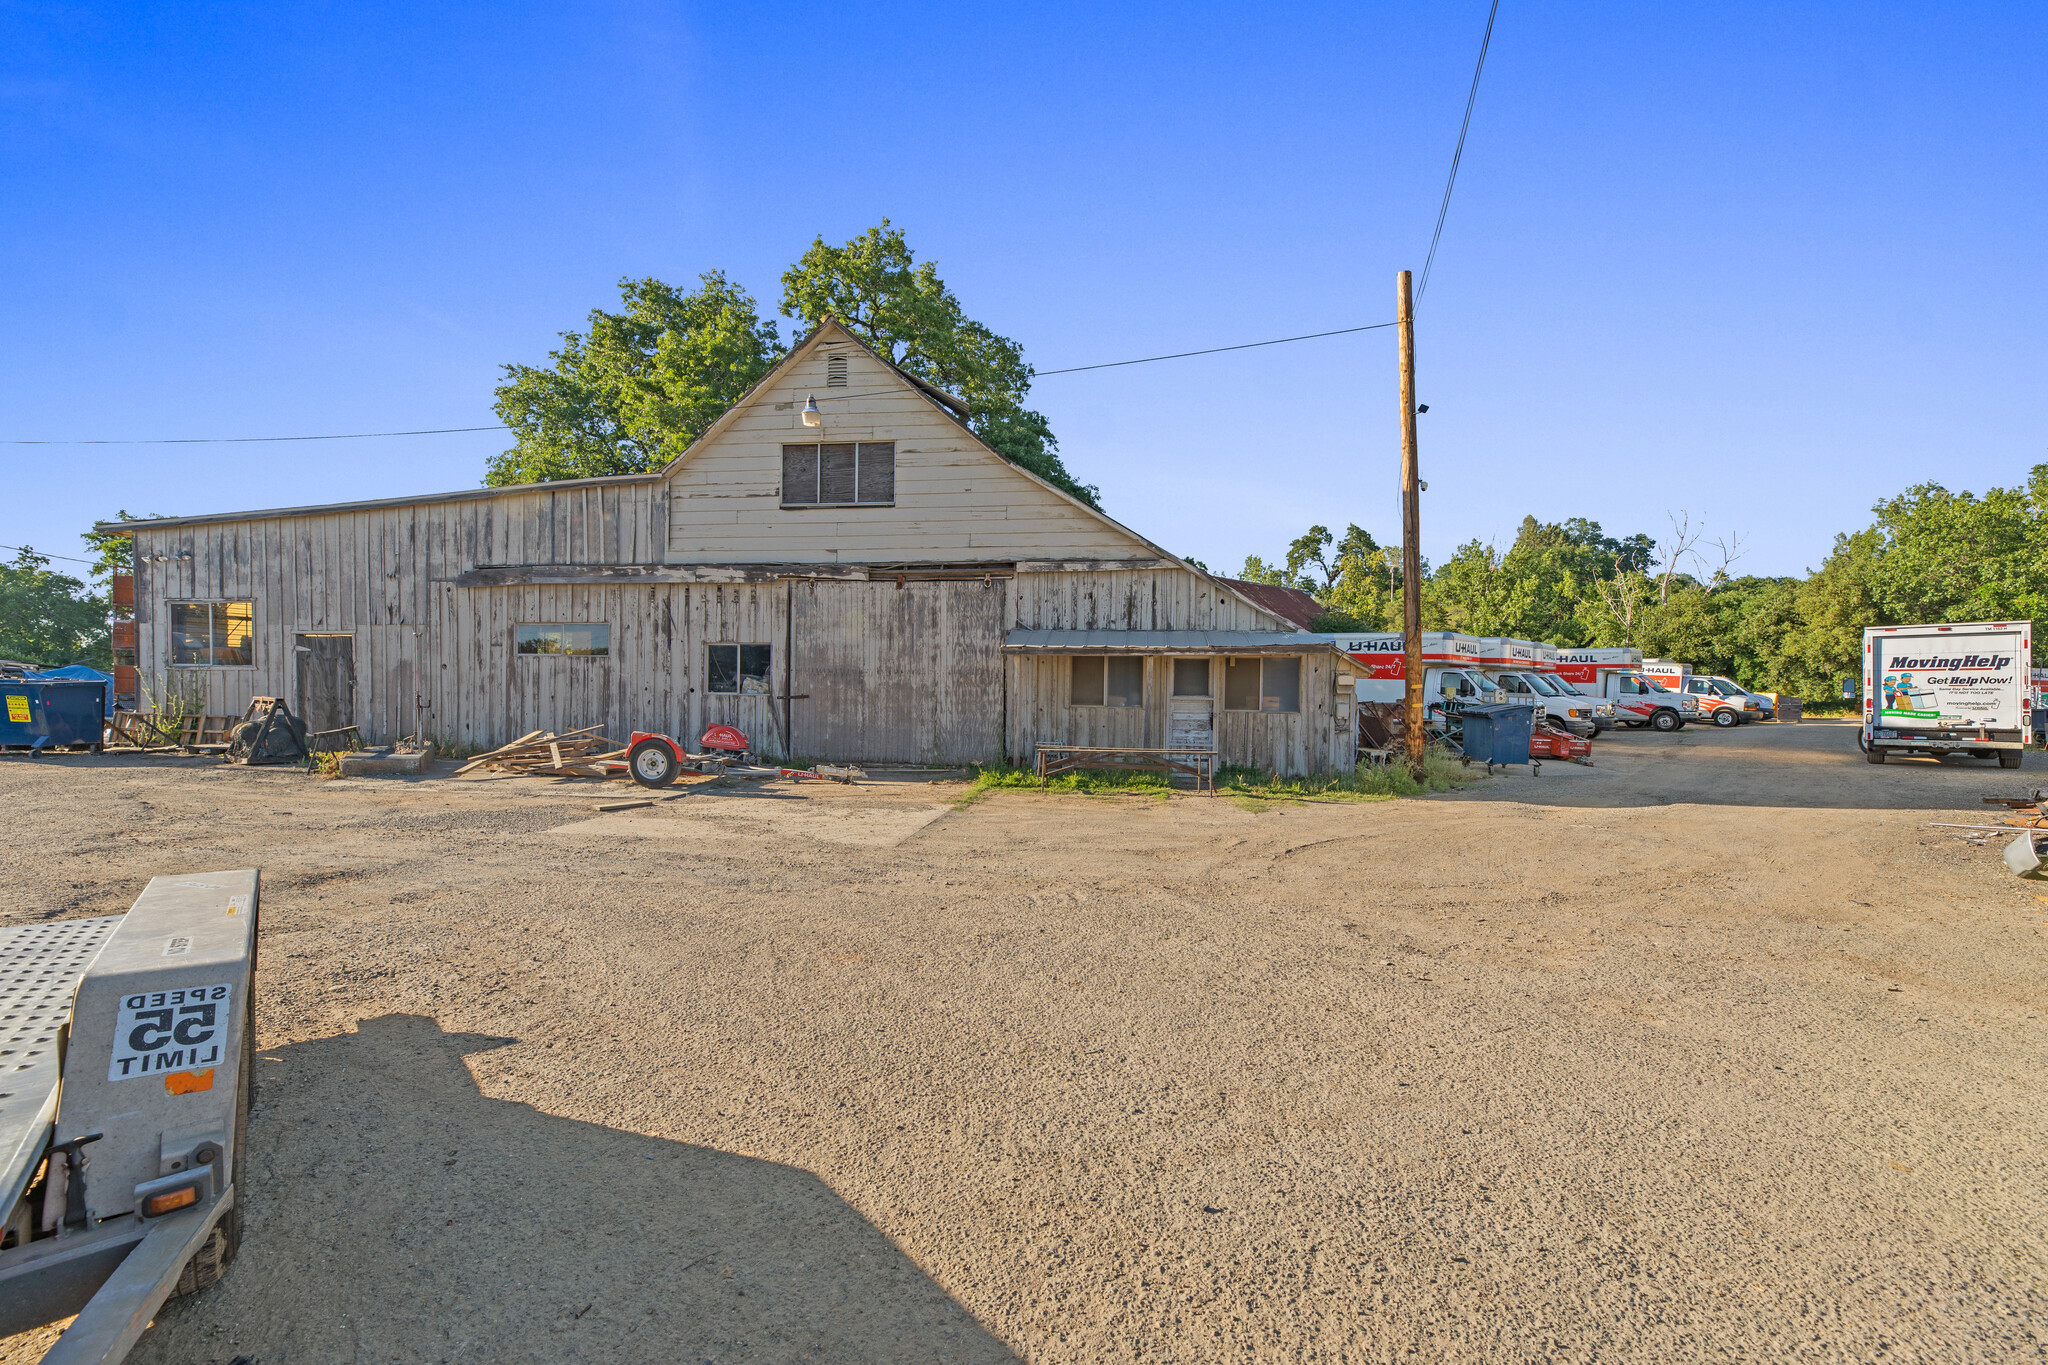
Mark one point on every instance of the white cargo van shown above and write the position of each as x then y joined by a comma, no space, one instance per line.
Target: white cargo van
1963,688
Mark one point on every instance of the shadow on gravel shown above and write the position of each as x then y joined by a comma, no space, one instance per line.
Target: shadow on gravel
398,1214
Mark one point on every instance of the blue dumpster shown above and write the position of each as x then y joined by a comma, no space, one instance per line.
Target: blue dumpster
1498,734
52,714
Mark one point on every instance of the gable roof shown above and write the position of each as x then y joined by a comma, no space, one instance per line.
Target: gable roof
1289,604
955,411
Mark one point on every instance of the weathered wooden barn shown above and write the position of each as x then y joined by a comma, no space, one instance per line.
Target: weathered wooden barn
880,587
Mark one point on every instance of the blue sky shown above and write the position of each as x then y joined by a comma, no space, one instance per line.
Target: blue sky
1762,263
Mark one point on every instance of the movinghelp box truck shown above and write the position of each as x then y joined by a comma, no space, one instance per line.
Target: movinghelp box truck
1960,688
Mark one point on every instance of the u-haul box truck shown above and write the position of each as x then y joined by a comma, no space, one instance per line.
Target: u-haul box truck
1963,688
1452,676
1720,701
1526,671
1615,675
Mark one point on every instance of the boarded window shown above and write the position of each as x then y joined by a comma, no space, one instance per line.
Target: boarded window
1190,677
877,471
839,474
213,634
1099,681
799,474
739,669
1262,685
577,639
835,473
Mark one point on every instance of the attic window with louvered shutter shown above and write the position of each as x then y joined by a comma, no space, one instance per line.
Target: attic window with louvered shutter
835,372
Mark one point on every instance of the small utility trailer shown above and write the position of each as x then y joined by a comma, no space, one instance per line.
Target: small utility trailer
124,1096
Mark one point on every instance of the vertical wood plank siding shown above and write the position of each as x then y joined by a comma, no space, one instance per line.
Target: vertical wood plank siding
1292,745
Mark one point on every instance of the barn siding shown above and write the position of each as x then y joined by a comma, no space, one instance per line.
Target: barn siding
1311,740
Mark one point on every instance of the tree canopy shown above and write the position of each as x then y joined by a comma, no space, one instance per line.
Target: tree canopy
50,619
632,391
1930,555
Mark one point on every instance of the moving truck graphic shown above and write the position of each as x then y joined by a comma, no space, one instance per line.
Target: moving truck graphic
1963,688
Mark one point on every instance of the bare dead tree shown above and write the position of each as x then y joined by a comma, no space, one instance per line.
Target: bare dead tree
1685,538
1730,550
1623,596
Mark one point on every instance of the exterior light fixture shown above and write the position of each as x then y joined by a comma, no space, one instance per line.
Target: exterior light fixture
812,417
1422,407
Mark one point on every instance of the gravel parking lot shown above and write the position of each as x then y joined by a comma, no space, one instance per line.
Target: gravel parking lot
1714,1050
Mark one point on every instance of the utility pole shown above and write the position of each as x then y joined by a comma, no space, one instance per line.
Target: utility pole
1411,534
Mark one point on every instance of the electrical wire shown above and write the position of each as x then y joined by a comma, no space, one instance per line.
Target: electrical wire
45,554
1213,350
242,440
826,396
1472,98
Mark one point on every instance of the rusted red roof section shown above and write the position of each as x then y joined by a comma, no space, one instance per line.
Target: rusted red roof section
1289,604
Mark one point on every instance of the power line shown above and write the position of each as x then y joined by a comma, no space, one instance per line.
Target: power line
1470,99
446,431
45,554
243,440
1213,350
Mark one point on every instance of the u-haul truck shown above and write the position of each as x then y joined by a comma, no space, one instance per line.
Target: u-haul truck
1720,702
1526,671
1615,675
1964,688
1460,670
1451,678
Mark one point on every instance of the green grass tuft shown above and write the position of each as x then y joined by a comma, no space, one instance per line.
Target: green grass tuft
1248,786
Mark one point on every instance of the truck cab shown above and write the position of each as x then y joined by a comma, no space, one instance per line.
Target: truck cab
1713,702
1561,706
1722,701
1640,700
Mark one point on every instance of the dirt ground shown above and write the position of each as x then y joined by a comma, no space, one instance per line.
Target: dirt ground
1714,1051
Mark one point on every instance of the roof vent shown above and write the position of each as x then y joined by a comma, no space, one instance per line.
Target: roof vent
835,372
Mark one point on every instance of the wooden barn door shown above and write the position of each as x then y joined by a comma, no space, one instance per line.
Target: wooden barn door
883,673
326,697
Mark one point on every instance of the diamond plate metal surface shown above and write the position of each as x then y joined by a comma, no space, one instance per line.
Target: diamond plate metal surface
39,969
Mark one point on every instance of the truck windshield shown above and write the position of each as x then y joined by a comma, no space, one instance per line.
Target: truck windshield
1545,684
1652,685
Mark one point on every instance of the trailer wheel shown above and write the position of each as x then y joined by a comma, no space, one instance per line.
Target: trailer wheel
1873,754
2009,758
1664,720
1727,718
217,1252
652,763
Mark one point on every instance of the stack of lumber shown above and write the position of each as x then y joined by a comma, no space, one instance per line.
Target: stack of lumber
580,753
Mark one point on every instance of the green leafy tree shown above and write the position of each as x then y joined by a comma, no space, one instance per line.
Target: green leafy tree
633,392
904,310
1256,570
1958,557
50,619
114,552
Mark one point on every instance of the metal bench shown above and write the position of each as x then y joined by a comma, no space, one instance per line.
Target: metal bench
1199,764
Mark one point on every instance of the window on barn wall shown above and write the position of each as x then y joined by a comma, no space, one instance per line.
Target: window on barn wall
1262,685
1110,681
213,634
738,669
577,639
1190,677
839,474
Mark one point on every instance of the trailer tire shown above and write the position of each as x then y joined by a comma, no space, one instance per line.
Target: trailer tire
1873,754
1664,720
217,1252
2009,758
652,763
1727,718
